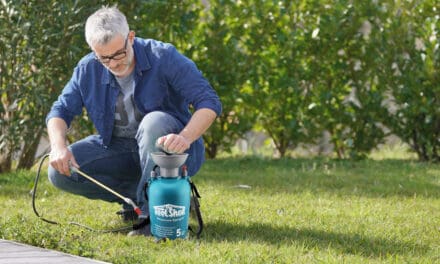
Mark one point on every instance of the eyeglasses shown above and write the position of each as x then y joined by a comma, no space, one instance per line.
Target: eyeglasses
119,55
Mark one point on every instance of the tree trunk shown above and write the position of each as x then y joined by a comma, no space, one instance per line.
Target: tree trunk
211,150
27,156
5,162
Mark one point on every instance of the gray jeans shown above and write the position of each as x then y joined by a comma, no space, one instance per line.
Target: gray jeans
124,165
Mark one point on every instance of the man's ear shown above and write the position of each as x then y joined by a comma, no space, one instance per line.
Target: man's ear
131,36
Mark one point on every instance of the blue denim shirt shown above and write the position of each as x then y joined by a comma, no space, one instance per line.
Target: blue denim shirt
165,80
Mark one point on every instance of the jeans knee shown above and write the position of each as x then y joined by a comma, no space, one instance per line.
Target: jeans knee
150,124
57,179
155,125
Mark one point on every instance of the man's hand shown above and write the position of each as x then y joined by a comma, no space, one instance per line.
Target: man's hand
197,125
61,159
173,143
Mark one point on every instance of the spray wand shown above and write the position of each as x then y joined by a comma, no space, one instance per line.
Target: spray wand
125,199
34,193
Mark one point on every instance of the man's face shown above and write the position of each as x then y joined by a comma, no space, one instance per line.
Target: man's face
116,55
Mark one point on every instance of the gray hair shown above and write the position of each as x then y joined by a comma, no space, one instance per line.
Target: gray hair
103,25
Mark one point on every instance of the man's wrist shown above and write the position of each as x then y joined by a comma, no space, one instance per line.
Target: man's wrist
186,136
58,145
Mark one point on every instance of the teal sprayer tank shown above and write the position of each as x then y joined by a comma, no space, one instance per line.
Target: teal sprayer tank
169,197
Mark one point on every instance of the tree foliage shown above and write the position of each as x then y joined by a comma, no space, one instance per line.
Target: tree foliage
36,55
410,76
218,52
276,46
358,70
346,98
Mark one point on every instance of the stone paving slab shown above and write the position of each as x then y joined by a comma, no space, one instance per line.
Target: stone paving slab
17,253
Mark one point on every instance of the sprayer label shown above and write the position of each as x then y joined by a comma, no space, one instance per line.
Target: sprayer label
169,210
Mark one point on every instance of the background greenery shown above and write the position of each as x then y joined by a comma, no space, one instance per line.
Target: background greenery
355,70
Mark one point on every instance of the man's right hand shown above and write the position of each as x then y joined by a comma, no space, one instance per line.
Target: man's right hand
61,159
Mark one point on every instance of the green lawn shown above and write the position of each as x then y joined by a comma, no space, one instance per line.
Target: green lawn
257,211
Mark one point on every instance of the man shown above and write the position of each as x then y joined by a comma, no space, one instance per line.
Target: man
137,92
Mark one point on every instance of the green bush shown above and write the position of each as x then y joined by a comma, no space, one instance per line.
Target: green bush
347,100
38,47
278,76
295,69
410,76
217,51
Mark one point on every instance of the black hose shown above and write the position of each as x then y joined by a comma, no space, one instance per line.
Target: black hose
34,192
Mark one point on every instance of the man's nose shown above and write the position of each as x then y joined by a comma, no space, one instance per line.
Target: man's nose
112,63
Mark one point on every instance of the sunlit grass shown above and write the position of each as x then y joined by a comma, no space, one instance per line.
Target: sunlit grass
257,210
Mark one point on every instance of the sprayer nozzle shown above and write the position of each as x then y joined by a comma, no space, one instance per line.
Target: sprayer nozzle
138,210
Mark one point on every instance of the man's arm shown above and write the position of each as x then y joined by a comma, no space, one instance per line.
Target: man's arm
60,155
200,121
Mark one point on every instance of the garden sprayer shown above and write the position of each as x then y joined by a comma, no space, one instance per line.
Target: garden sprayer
168,194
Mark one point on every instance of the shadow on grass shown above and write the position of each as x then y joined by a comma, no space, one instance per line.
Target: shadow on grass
382,178
346,243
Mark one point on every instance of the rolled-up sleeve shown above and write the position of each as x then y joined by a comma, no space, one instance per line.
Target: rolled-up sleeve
184,76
